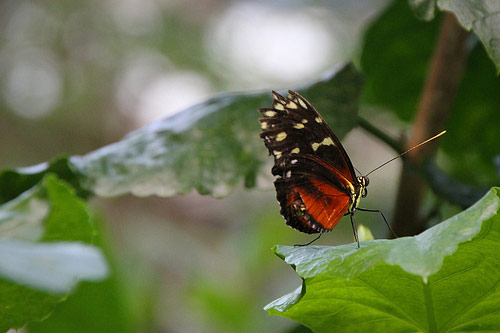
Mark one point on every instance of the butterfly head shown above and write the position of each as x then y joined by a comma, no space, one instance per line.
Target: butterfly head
363,181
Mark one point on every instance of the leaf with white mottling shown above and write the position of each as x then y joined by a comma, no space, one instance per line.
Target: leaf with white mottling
210,147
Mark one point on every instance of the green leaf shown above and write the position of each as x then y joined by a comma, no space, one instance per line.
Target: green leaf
475,110
113,305
94,307
44,249
395,57
480,16
211,147
445,279
16,181
122,303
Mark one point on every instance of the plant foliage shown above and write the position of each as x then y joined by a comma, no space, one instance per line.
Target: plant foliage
480,16
445,279
45,249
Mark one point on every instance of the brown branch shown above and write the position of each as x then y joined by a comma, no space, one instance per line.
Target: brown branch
445,73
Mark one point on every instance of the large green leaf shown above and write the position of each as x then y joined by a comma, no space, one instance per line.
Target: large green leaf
45,237
479,16
211,147
445,279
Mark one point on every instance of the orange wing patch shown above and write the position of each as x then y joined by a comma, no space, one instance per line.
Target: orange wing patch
322,204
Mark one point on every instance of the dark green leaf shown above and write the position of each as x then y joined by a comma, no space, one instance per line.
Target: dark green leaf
94,307
473,136
14,182
395,57
211,147
445,279
44,237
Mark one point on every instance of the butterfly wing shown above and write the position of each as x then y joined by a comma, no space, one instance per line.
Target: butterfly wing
315,176
309,204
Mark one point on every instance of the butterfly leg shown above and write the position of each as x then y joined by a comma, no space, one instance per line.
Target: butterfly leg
385,220
315,239
354,226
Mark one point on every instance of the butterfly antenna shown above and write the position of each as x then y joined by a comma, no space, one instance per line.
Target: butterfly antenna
414,147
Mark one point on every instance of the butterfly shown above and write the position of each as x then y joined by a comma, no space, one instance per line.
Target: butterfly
316,184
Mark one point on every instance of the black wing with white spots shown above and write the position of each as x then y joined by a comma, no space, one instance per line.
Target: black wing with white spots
292,127
316,179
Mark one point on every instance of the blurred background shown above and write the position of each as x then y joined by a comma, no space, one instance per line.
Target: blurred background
77,75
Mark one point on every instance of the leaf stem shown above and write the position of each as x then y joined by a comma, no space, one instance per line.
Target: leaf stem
440,183
378,133
431,318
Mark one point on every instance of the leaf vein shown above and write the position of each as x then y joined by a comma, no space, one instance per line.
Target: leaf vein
360,304
471,305
408,317
460,272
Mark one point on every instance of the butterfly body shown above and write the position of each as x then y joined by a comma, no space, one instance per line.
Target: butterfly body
316,184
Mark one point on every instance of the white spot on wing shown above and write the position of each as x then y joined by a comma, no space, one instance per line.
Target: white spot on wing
326,142
263,125
291,105
298,126
281,136
295,151
294,161
277,153
302,103
277,98
278,106
269,113
304,121
318,120
288,174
